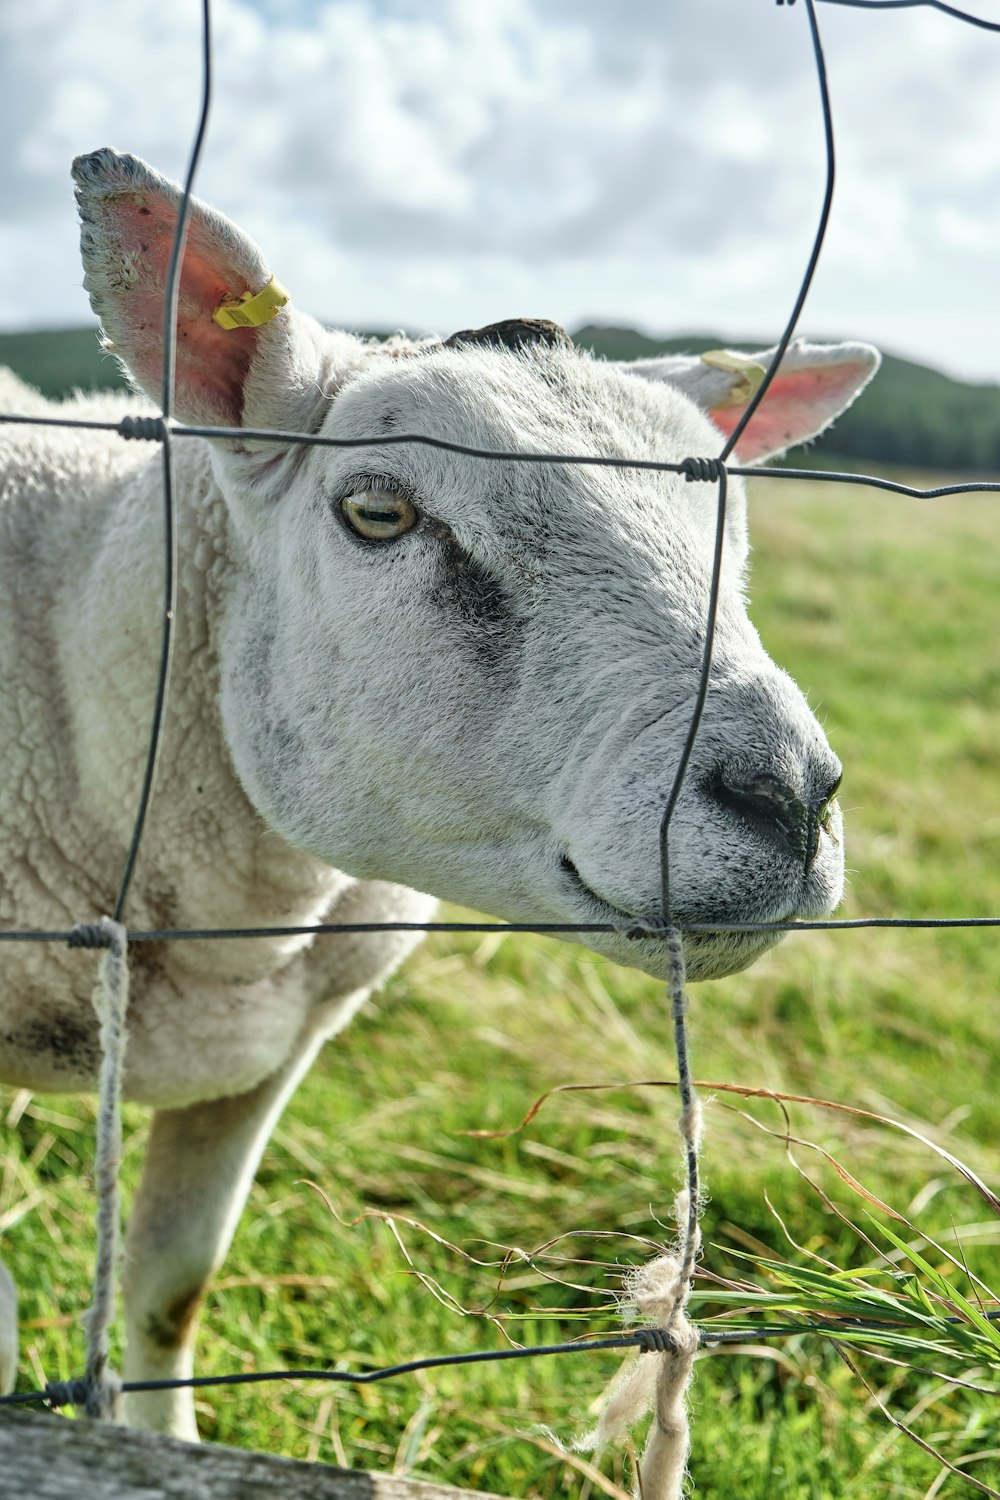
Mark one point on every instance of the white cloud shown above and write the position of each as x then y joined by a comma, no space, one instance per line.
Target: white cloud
439,163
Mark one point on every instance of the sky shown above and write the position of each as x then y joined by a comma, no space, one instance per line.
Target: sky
438,164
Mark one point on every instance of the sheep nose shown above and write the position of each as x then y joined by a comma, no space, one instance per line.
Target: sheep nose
775,809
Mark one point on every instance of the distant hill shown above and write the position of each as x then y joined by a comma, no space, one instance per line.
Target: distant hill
910,415
60,360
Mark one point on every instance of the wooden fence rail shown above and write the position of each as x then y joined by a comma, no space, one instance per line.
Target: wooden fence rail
45,1457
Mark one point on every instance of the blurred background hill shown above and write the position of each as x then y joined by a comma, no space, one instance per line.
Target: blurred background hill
911,415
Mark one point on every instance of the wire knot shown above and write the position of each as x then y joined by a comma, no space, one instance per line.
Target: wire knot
147,429
655,1341
91,935
636,931
702,470
67,1392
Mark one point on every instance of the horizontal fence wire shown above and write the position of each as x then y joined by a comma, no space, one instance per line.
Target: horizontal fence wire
87,935
58,1393
152,429
164,429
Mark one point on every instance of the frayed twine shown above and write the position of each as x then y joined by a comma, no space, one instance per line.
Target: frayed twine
658,1294
101,1386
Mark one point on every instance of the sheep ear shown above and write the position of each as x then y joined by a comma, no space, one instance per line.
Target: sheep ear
813,385
243,356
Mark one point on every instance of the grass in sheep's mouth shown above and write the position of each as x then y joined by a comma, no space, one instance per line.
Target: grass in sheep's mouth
849,595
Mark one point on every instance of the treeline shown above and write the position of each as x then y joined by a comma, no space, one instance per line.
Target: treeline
910,416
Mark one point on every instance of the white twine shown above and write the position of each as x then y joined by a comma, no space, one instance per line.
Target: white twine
103,1386
658,1293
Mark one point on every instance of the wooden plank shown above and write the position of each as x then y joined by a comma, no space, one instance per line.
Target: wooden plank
47,1457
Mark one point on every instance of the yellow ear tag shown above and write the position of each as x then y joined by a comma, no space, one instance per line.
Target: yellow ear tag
253,309
737,364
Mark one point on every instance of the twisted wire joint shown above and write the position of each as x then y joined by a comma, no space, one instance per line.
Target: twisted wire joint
702,470
66,1392
89,935
147,429
655,1341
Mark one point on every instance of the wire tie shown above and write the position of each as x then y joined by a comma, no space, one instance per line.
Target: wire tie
90,935
656,1341
636,931
66,1392
147,429
702,470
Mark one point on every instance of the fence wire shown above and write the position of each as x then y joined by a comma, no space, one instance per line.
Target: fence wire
165,430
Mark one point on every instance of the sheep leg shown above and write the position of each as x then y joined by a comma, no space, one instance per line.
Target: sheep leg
199,1168
8,1331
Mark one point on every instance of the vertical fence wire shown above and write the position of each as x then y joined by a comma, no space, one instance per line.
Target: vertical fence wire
171,303
690,1110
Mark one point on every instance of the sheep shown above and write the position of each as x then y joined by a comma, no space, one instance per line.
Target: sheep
398,671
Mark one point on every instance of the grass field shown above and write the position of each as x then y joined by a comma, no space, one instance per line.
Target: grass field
887,611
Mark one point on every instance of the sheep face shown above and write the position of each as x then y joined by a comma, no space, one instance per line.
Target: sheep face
476,677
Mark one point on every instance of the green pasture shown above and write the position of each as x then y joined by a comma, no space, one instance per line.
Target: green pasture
381,1230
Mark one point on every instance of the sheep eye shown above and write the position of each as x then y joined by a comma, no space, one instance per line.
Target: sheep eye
379,515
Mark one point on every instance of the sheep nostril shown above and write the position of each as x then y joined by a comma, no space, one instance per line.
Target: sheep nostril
775,811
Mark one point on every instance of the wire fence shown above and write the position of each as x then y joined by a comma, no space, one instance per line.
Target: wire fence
166,431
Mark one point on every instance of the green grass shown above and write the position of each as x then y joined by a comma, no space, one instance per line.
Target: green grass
886,611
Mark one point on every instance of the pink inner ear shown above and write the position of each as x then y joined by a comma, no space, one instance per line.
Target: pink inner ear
212,362
797,406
